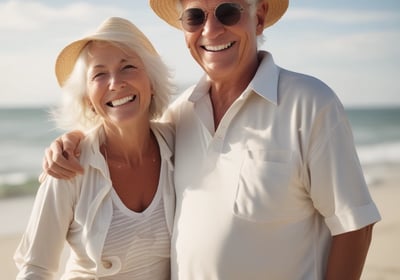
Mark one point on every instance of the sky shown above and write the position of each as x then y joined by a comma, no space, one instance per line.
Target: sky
353,46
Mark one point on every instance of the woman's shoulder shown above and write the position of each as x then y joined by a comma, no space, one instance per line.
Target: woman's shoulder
165,132
90,143
90,155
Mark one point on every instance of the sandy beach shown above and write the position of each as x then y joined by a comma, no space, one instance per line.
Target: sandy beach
382,262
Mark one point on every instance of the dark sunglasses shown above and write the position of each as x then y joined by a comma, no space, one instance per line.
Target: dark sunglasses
226,13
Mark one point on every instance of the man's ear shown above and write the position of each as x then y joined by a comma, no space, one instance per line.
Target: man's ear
261,12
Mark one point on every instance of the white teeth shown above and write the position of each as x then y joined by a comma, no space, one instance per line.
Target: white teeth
218,48
121,101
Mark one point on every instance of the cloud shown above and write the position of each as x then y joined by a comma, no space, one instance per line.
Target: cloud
338,46
341,16
32,35
356,46
357,56
18,15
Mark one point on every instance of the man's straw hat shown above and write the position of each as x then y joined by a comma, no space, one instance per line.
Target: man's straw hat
168,11
113,29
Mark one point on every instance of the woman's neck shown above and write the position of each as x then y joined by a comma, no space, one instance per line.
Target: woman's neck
129,146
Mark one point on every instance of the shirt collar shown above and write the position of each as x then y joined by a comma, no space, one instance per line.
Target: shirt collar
91,154
264,82
200,89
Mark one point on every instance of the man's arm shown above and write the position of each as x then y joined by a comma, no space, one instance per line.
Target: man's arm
348,253
61,158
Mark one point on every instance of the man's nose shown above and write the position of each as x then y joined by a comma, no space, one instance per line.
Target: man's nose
212,26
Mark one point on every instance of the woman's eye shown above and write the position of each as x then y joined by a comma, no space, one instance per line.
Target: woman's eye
97,75
126,67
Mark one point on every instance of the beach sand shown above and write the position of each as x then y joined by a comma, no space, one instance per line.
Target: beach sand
14,215
383,261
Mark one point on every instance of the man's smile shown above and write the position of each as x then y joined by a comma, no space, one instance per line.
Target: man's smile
218,48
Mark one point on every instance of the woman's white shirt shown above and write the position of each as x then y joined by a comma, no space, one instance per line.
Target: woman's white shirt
80,211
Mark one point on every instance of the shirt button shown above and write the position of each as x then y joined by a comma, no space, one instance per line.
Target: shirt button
107,264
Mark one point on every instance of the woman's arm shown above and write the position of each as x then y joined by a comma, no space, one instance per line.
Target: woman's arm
38,254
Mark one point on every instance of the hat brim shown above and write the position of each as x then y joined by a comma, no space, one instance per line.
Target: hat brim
113,29
66,60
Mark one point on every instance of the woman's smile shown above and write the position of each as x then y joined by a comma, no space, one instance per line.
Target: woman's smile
121,101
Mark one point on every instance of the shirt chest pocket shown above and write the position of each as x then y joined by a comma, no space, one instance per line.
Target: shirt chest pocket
263,188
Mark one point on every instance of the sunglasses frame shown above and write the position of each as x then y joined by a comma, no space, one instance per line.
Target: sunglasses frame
194,27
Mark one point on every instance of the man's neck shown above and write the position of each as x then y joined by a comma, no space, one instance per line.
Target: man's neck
224,92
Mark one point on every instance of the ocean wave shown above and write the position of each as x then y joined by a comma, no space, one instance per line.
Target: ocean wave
380,153
17,184
14,179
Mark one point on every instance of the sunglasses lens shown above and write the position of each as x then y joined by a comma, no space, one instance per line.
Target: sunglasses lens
228,13
192,18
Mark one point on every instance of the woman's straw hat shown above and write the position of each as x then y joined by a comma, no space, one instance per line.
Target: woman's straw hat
113,29
168,11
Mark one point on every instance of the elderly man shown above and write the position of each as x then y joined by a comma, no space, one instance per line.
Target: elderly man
268,182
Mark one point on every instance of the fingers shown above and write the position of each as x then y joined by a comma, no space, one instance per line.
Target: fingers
70,151
58,163
70,142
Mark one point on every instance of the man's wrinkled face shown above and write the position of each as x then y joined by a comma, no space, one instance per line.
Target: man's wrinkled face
221,49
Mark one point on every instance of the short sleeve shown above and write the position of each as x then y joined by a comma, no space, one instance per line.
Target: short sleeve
338,188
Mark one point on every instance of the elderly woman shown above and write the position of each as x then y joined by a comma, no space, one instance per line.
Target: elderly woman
116,216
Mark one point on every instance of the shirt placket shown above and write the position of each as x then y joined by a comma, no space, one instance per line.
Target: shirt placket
216,141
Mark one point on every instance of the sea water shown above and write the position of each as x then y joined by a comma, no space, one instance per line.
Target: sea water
26,132
24,135
376,134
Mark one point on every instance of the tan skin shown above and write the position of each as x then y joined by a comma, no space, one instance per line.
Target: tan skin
135,183
348,250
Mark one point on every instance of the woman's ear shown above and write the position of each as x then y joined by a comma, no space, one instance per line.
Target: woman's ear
90,105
